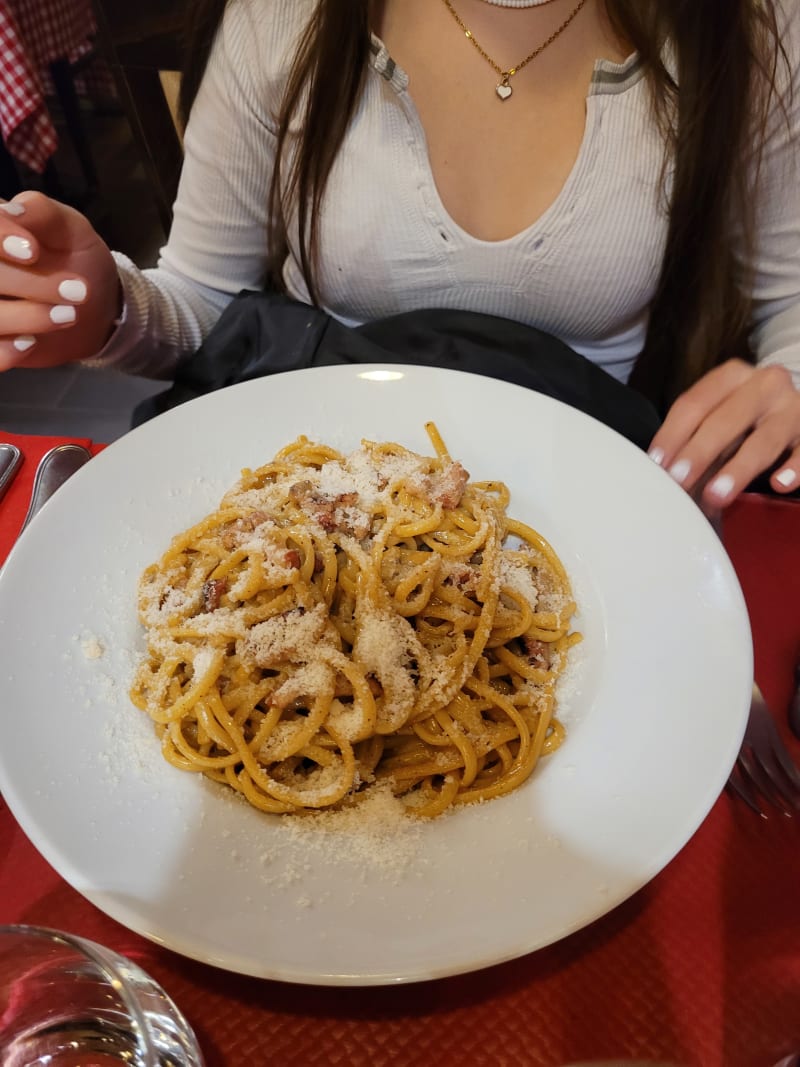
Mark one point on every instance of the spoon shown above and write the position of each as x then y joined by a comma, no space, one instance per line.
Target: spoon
54,468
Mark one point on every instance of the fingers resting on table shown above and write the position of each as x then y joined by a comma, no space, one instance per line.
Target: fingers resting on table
732,425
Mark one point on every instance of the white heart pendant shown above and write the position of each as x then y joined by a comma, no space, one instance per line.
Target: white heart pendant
503,91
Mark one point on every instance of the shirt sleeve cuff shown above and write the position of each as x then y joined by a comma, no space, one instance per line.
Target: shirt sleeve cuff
127,330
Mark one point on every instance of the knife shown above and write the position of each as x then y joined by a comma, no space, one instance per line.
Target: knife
10,460
54,468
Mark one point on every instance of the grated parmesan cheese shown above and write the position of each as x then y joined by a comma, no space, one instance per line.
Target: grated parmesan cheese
92,647
517,576
295,635
377,833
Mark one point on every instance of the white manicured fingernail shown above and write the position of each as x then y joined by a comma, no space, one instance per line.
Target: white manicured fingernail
72,289
12,209
786,478
722,487
657,455
680,470
62,313
18,247
22,344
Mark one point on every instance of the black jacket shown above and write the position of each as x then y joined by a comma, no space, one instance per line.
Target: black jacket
266,333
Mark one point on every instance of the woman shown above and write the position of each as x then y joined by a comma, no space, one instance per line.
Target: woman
404,161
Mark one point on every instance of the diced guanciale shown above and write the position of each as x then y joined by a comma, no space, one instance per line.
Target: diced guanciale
539,653
338,512
463,577
237,531
213,591
449,486
445,488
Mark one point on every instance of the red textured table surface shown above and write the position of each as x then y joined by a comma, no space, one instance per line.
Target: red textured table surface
701,967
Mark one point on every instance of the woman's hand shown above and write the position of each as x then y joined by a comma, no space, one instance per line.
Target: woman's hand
59,290
729,427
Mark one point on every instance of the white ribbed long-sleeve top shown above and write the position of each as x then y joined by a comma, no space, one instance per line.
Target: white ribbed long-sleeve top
585,271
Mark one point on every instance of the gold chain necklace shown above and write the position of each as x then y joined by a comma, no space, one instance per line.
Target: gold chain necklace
504,90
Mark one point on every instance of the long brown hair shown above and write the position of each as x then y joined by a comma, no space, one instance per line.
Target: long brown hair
726,54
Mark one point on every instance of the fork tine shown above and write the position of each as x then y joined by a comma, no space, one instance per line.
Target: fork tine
785,760
766,771
744,791
764,781
765,761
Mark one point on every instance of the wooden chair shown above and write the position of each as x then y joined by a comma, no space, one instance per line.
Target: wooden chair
142,40
10,183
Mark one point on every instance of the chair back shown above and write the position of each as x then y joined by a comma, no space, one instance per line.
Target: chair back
142,42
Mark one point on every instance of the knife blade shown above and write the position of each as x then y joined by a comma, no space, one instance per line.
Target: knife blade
55,467
10,462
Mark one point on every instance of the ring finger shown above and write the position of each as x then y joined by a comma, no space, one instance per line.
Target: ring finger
27,318
45,287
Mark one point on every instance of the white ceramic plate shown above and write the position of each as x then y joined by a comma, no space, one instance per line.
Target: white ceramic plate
655,706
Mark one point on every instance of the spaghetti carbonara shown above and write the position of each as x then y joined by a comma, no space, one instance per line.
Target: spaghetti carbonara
349,619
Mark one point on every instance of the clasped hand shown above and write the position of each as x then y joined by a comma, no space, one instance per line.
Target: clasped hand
59,290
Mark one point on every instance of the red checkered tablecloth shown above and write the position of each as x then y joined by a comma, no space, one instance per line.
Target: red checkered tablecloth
25,124
54,29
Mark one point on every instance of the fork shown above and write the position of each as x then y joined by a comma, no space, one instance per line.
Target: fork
10,460
764,774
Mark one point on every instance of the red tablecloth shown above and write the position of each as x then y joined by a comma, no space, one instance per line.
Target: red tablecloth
701,967
25,124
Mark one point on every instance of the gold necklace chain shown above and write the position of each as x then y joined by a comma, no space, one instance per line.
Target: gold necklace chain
504,90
